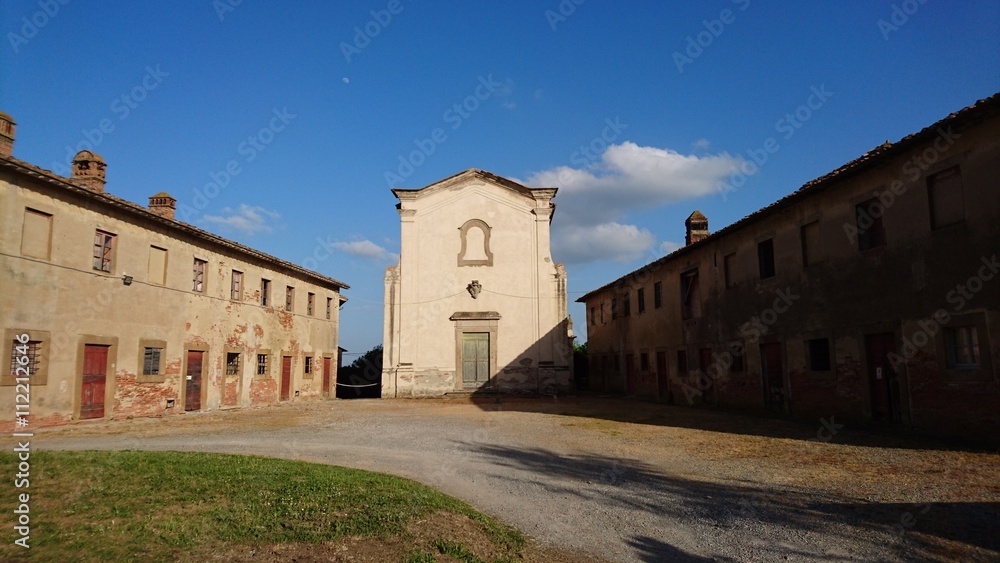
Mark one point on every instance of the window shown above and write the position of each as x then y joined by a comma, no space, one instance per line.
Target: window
727,269
310,303
151,360
199,275
946,200
641,299
236,290
309,365
868,217
962,347
232,363
329,308
27,355
627,303
262,367
657,295
289,297
819,354
736,351
157,271
682,363
104,244
265,292
32,350
765,258
593,315
614,308
36,234
644,361
690,295
602,313
809,237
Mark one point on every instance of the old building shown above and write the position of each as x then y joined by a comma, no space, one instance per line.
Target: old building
871,293
476,302
115,310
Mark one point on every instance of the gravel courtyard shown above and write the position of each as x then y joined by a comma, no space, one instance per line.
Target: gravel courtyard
621,480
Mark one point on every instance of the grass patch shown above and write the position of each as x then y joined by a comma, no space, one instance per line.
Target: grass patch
154,506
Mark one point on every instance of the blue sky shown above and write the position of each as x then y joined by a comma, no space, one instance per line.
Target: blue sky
304,113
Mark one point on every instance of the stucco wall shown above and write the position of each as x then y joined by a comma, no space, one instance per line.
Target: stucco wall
74,303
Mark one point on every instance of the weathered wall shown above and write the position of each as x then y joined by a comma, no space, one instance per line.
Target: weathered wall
63,295
843,294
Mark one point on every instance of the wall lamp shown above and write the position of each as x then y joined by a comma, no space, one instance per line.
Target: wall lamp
126,279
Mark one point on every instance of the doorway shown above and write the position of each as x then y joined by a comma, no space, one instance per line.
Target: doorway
773,375
192,380
883,381
95,378
286,377
326,376
475,359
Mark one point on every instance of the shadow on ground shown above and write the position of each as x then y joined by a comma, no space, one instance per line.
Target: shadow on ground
747,513
711,419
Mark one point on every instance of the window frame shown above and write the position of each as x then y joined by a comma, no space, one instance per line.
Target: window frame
199,278
690,301
267,364
236,286
231,368
265,292
873,237
931,181
657,294
766,266
289,299
106,242
640,300
311,304
814,362
44,340
48,234
972,341
151,343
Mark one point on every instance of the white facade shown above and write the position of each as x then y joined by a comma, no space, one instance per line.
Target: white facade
476,302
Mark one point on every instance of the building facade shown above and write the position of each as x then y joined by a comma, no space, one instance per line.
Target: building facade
871,293
476,302
112,310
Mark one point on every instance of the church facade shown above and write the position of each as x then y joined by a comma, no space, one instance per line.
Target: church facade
476,303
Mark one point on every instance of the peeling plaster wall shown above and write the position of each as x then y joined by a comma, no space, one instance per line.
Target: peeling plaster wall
63,295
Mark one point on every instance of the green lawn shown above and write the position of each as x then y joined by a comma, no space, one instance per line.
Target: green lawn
154,506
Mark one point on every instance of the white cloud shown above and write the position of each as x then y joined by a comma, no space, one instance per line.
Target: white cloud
607,241
666,247
595,198
246,219
365,249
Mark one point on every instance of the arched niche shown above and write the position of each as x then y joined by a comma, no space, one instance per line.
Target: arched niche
475,235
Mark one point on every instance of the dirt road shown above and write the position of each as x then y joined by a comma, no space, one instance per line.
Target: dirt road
626,480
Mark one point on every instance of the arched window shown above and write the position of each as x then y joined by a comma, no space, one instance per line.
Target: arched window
475,235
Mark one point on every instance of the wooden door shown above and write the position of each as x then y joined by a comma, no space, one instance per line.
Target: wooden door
662,379
475,359
95,376
630,375
286,377
192,380
772,371
326,376
707,384
882,379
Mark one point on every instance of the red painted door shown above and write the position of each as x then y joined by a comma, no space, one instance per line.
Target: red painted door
662,379
630,374
286,376
773,373
95,376
707,385
326,376
882,379
192,383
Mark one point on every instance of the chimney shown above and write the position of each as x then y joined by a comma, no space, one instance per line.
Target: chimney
88,171
697,228
6,135
163,205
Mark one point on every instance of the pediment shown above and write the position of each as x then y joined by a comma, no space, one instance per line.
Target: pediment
474,176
